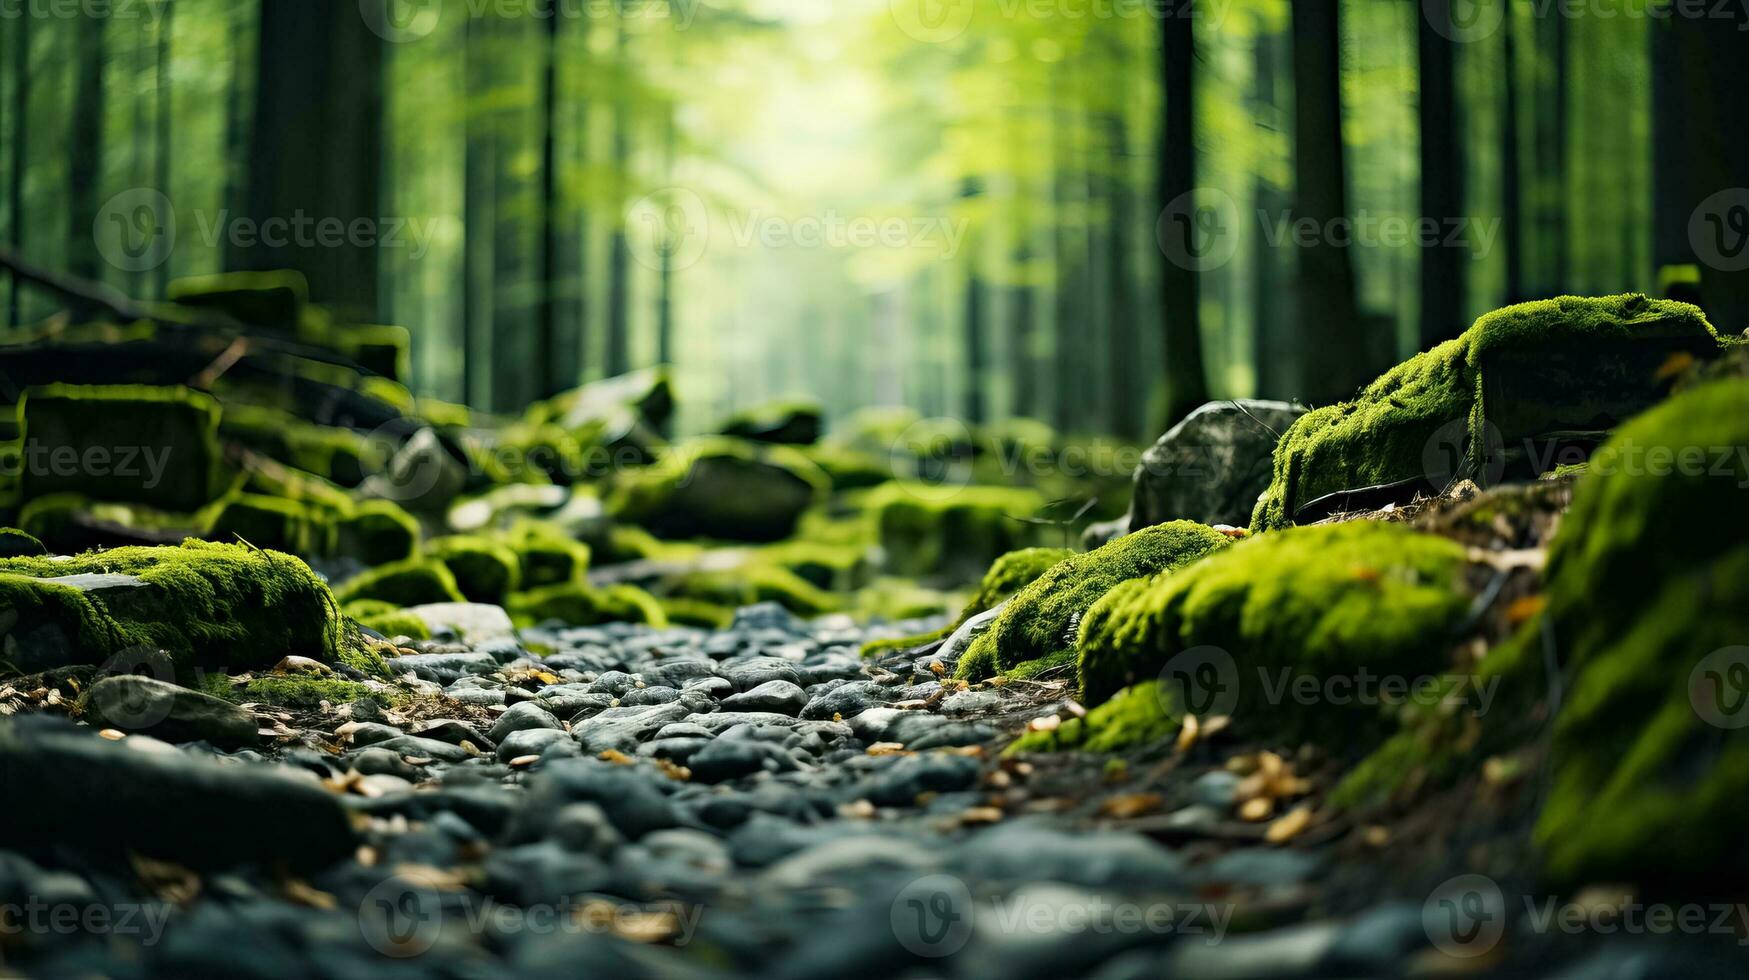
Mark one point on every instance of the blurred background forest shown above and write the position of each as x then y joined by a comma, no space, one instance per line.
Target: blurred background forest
976,208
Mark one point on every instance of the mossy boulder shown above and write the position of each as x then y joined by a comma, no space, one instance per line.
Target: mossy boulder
1312,602
413,582
722,488
581,605
789,423
275,523
947,533
546,555
156,446
209,606
1520,387
849,468
749,584
69,523
1649,604
485,570
377,532
1212,466
1043,619
335,453
273,299
15,544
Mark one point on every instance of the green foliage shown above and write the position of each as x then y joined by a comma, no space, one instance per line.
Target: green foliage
1043,619
1315,601
748,584
414,582
485,570
272,299
209,605
276,523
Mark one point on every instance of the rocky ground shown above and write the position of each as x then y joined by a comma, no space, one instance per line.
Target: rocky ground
759,800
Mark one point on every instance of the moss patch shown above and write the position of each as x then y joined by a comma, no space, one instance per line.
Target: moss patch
749,584
1006,576
304,693
546,555
378,532
1043,618
276,523
1142,714
950,533
1589,379
580,605
1316,601
15,543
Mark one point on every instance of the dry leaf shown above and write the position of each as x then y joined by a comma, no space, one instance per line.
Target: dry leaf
981,815
524,761
887,748
1044,723
1293,824
616,757
1256,810
1188,734
1130,805
112,734
1524,609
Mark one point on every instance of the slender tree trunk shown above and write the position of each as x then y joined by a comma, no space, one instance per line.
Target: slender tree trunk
618,352
319,71
1186,382
550,371
973,403
85,143
1124,341
1277,346
161,143
1443,269
1511,179
1028,399
1337,359
20,156
1563,32
665,281
479,162
1068,311
1711,55
236,134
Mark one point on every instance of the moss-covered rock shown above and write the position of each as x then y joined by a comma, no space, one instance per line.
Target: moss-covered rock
1142,714
304,693
1044,618
210,606
748,584
15,543
276,523
414,582
273,299
848,468
1518,382
156,446
789,423
1313,602
581,605
1649,602
722,488
950,533
546,554
485,570
823,564
334,453
377,532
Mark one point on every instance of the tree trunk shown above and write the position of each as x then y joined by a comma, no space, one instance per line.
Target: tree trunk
618,353
479,162
85,143
549,371
1186,382
161,144
1337,359
665,281
1443,270
973,326
20,156
315,148
1277,346
1123,336
1511,181
1711,55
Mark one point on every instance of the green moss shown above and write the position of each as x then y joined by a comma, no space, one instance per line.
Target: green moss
1006,576
156,446
1142,714
485,570
1315,601
794,423
1044,617
209,605
334,453
581,605
397,623
848,468
546,554
272,299
825,565
1489,375
378,532
382,348
948,532
718,487
1648,575
15,543
697,612
301,692
415,582
1028,669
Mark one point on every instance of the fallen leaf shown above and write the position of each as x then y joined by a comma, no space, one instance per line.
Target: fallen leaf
981,815
300,892
1674,366
1130,805
524,761
1044,723
1293,824
1257,809
1524,609
857,810
1187,735
112,734
887,748
616,757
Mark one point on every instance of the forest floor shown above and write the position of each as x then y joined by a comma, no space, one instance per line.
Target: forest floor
762,800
